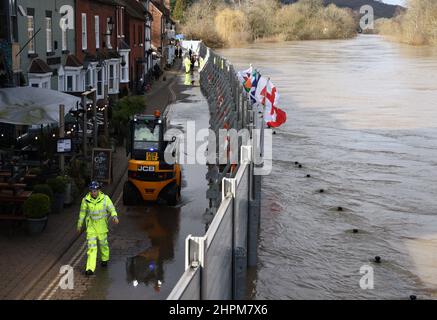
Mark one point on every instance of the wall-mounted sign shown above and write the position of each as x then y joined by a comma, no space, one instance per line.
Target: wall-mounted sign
63,145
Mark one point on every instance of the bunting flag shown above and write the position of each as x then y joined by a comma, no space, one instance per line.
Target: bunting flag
262,91
244,75
270,98
254,85
279,117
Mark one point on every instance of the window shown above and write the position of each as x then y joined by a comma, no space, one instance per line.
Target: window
146,135
61,83
100,83
69,83
121,23
61,79
84,34
124,68
34,85
30,31
108,34
49,34
111,76
64,39
64,29
97,31
87,79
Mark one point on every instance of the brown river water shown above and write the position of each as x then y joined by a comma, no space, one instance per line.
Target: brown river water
362,122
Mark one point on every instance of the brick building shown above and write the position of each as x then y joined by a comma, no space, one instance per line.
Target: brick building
96,43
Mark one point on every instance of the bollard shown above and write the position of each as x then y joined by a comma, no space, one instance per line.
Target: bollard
240,272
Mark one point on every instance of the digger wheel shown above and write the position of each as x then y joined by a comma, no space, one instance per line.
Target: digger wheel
174,195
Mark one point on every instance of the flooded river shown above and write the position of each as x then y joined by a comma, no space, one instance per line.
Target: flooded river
362,121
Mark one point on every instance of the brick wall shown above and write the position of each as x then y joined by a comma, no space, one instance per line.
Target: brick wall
156,25
93,8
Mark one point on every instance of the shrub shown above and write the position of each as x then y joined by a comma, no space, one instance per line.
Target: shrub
416,26
232,27
218,24
44,189
58,184
37,206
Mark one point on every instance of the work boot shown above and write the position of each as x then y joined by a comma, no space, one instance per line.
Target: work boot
89,273
104,264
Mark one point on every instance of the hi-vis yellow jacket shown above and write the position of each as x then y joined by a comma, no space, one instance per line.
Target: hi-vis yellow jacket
95,213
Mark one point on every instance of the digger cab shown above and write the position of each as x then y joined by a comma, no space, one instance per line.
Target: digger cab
150,177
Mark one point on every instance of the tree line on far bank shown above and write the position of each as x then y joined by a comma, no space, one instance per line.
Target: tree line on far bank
231,23
416,26
221,23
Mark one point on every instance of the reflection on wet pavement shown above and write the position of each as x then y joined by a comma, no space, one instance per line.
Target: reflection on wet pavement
148,246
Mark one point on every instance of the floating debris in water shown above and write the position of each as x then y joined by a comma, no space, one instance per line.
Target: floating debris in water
135,283
355,230
378,259
321,190
340,209
413,297
308,176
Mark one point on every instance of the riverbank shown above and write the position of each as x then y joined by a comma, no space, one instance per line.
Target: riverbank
416,26
220,25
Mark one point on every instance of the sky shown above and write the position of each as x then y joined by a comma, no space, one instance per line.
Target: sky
401,2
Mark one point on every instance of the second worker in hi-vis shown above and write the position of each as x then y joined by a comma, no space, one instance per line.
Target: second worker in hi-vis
95,209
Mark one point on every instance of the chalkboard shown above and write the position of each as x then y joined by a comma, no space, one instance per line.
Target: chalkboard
102,162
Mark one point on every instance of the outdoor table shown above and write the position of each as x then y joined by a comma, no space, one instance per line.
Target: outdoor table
17,200
15,187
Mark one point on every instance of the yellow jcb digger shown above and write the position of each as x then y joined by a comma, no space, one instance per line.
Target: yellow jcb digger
150,177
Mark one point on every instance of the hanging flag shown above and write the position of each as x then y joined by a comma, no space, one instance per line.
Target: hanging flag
244,75
279,117
263,93
270,98
254,84
262,83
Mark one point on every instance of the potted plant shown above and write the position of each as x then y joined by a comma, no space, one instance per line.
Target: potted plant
36,209
44,189
58,186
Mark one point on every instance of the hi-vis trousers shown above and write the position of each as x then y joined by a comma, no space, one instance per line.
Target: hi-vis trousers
93,238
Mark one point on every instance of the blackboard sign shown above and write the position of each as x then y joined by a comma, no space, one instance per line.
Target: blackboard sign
102,162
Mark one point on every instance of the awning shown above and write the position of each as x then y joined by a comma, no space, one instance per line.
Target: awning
33,106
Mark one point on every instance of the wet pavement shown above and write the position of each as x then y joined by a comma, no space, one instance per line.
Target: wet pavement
148,246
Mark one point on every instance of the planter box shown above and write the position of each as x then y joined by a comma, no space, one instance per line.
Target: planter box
36,226
68,194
